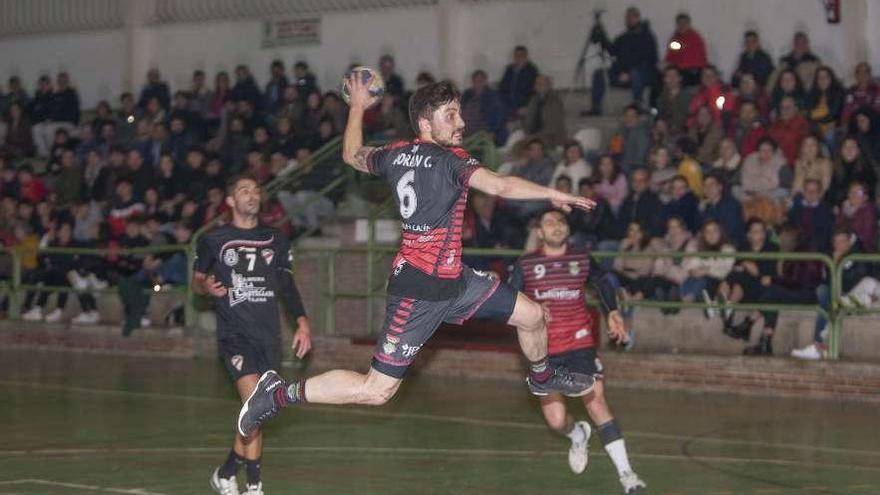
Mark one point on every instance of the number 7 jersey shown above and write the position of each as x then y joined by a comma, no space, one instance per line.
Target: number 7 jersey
430,184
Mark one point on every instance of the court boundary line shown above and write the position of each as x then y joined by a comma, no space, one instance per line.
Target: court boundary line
351,411
79,486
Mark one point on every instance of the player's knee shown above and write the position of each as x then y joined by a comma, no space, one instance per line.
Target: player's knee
377,395
533,316
557,421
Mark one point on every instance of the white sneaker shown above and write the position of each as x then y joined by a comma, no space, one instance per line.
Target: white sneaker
578,454
78,281
97,283
54,316
710,312
255,489
224,486
145,322
810,353
33,314
631,483
85,318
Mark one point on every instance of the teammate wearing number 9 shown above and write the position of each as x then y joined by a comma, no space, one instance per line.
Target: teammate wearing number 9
428,285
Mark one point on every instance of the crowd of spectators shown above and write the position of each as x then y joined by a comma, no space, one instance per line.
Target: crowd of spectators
778,156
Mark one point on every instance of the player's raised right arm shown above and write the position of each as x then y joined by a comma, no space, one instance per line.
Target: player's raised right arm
515,188
354,152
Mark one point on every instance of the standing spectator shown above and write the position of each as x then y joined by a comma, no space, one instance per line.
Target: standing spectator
642,205
746,281
683,205
707,134
718,205
788,84
714,95
155,88
864,93
635,61
825,103
15,93
304,79
811,164
749,128
19,142
789,129
673,104
65,107
801,59
705,275
518,83
611,185
544,116
393,81
634,139
482,109
245,88
199,95
40,112
275,87
573,165
128,117
813,217
753,60
859,215
851,166
687,50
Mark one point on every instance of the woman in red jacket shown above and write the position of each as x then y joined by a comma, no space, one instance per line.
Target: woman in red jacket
687,50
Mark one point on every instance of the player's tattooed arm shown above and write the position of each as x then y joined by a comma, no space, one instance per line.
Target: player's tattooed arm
359,161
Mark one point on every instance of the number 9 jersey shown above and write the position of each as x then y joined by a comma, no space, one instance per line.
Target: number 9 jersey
430,184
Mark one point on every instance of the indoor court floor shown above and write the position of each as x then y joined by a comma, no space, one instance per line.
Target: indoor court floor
85,424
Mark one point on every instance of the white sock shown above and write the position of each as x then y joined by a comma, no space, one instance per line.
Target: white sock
617,452
577,434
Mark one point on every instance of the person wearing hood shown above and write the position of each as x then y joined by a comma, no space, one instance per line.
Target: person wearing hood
635,60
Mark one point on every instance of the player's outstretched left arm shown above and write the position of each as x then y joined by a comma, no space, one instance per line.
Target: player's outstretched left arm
515,188
354,152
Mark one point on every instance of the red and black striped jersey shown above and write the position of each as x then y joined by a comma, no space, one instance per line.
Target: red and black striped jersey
558,282
430,185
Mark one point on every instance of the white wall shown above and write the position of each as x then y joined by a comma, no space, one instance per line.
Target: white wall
481,36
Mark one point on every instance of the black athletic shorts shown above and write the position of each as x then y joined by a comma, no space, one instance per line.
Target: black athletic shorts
246,356
410,322
584,361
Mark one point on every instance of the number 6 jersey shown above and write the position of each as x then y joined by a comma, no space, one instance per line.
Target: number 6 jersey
430,184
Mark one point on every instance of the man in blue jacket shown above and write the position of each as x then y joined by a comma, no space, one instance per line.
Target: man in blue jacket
483,110
723,208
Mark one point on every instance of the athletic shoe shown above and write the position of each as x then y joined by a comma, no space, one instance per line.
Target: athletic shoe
709,312
86,318
97,283
255,489
726,310
78,282
631,483
578,454
563,381
145,322
224,486
810,353
54,316
33,314
260,406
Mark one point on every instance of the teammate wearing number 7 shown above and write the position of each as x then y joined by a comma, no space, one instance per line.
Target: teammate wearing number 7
430,177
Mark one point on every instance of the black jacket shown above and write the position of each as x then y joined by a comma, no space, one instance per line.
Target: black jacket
759,64
644,209
518,86
635,47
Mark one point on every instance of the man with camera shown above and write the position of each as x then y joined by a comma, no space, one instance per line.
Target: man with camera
635,58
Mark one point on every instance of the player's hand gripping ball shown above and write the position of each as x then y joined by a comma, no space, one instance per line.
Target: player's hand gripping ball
370,77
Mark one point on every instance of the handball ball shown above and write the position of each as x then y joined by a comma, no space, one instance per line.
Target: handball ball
370,77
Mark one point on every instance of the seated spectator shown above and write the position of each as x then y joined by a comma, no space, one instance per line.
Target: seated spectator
705,275
312,114
707,134
633,140
635,60
813,217
336,111
686,50
749,90
284,139
825,103
811,164
727,165
155,88
864,93
851,165
485,228
864,127
235,146
683,205
748,128
762,190
573,165
688,167
69,184
304,79
660,134
544,116
789,129
713,95
662,172
535,167
518,83
753,61
591,228
788,85
795,282
222,95
642,205
720,206
746,281
667,272
198,97
307,208
858,214
611,185
275,86
393,81
245,88
19,141
180,140
128,118
55,270
31,189
124,206
634,273
483,110
392,124
673,104
801,59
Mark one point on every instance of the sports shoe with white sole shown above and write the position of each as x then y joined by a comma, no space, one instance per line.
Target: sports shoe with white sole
632,484
255,489
97,283
224,486
54,316
86,318
33,314
563,381
809,353
260,406
710,312
578,454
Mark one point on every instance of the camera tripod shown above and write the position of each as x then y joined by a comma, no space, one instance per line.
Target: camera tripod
597,38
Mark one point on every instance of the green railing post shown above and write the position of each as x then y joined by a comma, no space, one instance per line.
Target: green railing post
15,289
371,242
330,302
190,315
